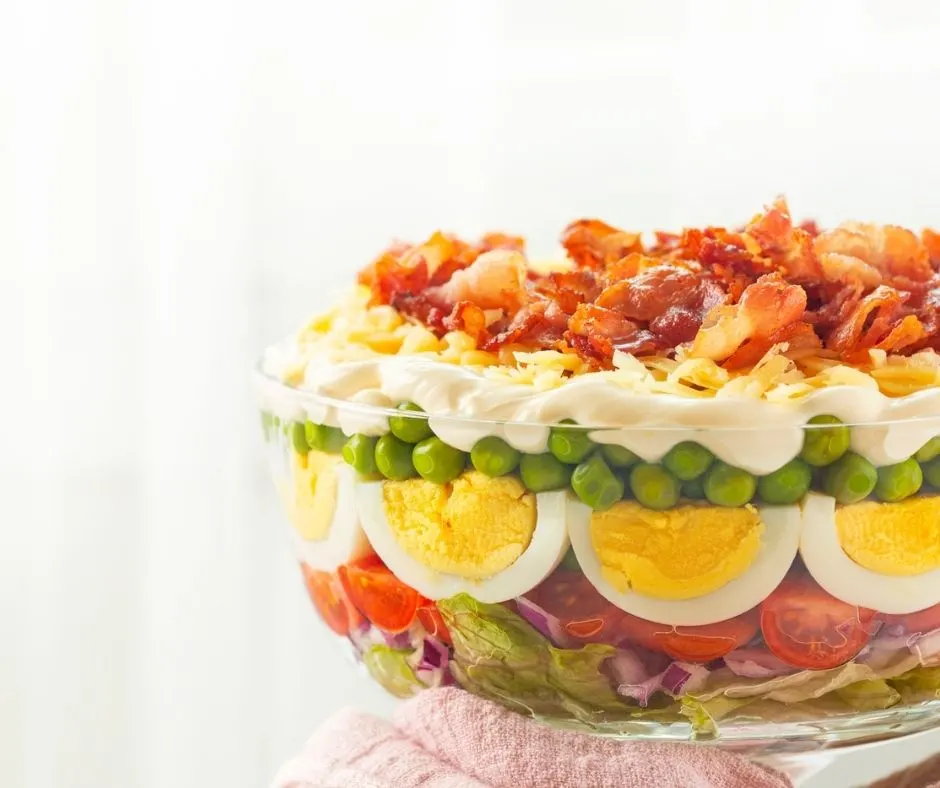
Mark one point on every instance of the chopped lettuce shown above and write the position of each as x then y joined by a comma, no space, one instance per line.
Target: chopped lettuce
500,656
704,715
918,685
491,634
869,695
577,674
392,669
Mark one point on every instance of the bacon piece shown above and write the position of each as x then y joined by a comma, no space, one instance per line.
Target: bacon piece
648,294
490,241
797,336
388,279
468,317
789,248
434,252
673,300
909,332
773,227
419,307
832,306
596,332
869,322
591,243
666,243
630,266
540,323
849,270
732,258
893,250
931,240
765,307
810,227
495,280
568,288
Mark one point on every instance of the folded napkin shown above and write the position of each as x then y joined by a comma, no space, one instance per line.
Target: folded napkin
448,738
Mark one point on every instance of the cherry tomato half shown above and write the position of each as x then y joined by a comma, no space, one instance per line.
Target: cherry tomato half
380,596
925,620
808,628
585,614
432,621
328,598
693,644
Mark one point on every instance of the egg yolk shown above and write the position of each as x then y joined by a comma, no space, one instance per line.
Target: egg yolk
473,527
676,554
311,501
892,538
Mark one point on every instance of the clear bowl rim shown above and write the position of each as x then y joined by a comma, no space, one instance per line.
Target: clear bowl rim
266,381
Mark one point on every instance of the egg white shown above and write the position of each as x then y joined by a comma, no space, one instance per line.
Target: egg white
547,547
345,540
840,576
778,548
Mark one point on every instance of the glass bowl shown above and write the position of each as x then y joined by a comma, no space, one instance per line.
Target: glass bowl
768,587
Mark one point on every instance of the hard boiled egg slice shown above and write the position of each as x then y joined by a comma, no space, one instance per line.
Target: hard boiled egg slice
487,537
686,566
320,504
884,556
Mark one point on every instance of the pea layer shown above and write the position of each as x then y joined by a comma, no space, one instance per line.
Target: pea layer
602,474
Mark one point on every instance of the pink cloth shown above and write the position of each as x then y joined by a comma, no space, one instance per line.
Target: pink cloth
448,738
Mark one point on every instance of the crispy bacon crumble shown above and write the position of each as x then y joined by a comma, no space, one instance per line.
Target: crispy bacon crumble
725,295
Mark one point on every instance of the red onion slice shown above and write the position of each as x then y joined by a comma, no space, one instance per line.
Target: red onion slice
756,663
640,674
544,622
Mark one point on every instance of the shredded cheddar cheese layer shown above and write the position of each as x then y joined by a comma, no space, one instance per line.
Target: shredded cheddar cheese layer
352,330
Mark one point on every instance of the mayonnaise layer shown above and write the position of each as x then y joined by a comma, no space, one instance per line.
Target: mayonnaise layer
465,406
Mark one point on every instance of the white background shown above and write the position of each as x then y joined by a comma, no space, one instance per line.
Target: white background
182,181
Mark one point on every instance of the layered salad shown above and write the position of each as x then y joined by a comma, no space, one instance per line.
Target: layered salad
687,478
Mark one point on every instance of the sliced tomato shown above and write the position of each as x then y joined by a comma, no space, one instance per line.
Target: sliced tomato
380,596
328,598
925,620
808,628
693,644
432,621
583,613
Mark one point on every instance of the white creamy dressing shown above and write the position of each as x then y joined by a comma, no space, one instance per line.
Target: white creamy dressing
464,406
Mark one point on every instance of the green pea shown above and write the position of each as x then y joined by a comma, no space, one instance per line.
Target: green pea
788,484
688,460
726,485
494,457
618,456
824,445
899,481
359,452
437,462
653,486
569,445
694,489
596,484
929,450
931,472
393,458
542,472
570,561
298,436
323,438
410,429
850,479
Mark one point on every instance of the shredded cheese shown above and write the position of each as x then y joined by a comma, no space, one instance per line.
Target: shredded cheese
352,330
